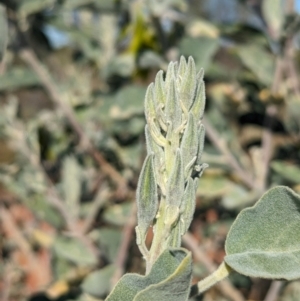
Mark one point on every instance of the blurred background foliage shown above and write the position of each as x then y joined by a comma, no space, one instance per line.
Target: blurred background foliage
72,83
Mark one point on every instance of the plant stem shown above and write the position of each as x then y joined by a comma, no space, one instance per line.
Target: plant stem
160,235
221,273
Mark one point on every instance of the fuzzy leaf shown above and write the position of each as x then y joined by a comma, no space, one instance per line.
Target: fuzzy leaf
71,185
171,216
188,205
168,280
146,195
98,283
152,146
173,109
201,137
170,74
150,110
188,85
199,103
175,236
182,67
175,185
3,31
159,89
189,143
264,241
200,75
74,250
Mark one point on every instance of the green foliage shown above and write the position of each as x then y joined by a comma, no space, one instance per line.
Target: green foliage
74,251
146,195
68,219
264,241
3,31
97,283
169,279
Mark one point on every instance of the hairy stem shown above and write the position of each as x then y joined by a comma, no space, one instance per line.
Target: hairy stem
221,273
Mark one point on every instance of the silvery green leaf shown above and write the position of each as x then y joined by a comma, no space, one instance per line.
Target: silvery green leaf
196,183
71,185
146,195
199,103
74,250
156,133
162,120
175,236
176,68
188,205
97,283
173,109
264,240
170,74
201,137
33,6
3,31
200,76
189,143
171,215
150,108
176,287
168,280
159,89
175,184
188,84
153,147
182,67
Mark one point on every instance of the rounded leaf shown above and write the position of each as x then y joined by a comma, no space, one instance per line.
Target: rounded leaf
264,241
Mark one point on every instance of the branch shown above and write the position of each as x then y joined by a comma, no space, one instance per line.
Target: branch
222,146
10,227
55,200
225,286
273,291
122,253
